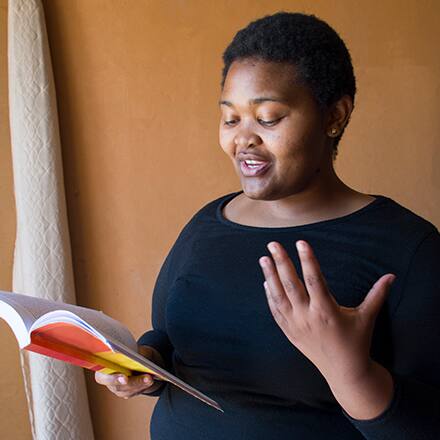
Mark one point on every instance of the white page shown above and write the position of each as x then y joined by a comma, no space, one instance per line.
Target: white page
37,307
27,317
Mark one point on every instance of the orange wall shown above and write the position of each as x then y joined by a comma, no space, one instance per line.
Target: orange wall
14,422
138,84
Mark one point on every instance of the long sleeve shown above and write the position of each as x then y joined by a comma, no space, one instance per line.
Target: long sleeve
414,412
158,337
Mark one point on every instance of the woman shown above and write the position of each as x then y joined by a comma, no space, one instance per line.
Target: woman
338,339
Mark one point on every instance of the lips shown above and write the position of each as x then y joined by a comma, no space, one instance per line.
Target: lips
252,156
249,171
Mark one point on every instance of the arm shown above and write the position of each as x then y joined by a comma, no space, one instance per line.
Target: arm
157,338
368,396
413,412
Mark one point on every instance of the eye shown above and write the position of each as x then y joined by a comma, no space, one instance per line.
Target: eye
261,121
229,123
269,123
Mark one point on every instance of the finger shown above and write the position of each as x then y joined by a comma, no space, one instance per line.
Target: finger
313,278
109,379
134,385
277,315
145,380
377,295
278,295
136,382
288,276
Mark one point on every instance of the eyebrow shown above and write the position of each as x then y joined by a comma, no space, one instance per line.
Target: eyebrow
258,100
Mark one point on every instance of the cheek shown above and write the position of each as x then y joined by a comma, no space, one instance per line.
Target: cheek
294,142
226,140
281,143
301,128
290,148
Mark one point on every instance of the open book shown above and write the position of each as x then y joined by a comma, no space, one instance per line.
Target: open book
81,336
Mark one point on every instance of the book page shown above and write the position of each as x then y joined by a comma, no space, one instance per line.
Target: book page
37,307
26,316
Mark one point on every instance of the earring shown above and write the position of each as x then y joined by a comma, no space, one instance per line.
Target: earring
333,132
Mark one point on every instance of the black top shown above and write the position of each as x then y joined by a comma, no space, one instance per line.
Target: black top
214,328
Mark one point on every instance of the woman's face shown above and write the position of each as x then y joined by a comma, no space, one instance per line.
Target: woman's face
268,116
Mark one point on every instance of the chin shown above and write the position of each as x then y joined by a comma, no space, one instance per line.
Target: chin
258,193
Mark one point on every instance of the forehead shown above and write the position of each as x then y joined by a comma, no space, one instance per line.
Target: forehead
251,77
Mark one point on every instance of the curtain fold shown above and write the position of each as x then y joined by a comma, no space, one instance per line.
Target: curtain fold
56,391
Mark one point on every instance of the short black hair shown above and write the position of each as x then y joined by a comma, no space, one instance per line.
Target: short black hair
321,59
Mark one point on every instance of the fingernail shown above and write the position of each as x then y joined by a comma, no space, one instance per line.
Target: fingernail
122,379
264,261
272,247
300,245
147,380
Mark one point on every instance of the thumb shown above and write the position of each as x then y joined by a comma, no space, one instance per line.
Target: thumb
375,298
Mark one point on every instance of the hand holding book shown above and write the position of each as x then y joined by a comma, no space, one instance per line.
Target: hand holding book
131,386
90,339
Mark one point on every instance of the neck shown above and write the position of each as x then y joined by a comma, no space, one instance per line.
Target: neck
325,196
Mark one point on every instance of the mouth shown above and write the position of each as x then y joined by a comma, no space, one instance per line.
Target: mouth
254,169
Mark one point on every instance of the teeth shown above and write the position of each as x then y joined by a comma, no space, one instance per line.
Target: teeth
253,162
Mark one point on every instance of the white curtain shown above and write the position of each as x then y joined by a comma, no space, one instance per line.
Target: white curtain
56,391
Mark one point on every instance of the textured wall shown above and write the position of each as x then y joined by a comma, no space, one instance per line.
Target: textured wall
138,84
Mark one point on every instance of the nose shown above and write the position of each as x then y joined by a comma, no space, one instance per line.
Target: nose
245,139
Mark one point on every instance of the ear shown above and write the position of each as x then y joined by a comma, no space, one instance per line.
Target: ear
338,115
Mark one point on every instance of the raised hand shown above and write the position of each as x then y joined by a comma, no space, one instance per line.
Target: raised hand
335,338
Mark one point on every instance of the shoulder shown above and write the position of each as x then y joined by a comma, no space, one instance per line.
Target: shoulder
417,242
405,222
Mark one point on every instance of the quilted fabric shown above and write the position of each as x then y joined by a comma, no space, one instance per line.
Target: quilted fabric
56,391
